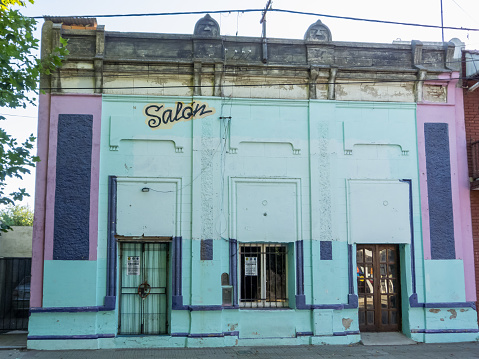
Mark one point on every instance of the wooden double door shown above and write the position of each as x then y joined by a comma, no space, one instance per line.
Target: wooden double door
378,287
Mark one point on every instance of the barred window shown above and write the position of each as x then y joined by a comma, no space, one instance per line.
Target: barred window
263,279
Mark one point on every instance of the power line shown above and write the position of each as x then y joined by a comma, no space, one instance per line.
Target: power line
376,21
275,10
8,114
143,74
203,170
464,11
306,82
230,69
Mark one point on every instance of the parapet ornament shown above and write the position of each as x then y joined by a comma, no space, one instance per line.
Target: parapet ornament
318,32
207,27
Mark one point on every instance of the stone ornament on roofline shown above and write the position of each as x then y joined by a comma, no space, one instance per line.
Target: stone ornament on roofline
207,27
318,32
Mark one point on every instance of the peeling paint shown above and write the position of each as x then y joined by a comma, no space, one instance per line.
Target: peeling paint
434,310
371,90
286,88
435,93
340,91
347,323
453,313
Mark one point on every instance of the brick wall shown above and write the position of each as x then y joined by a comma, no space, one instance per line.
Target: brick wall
471,113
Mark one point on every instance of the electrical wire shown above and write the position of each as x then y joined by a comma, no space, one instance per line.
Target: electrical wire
305,82
227,127
231,69
18,115
464,11
80,73
208,165
273,10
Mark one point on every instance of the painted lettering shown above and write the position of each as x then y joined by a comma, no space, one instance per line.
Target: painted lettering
201,109
187,112
167,116
153,120
159,116
179,106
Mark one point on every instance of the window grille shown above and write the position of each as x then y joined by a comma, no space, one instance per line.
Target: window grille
263,276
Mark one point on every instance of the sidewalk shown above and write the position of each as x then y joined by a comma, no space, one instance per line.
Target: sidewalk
358,351
13,340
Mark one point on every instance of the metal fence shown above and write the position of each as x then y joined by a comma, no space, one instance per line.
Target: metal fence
14,293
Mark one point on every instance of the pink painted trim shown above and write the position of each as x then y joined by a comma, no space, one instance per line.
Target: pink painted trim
51,175
432,113
421,114
466,239
95,176
73,104
36,291
451,113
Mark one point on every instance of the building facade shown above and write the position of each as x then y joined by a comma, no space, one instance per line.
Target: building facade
208,190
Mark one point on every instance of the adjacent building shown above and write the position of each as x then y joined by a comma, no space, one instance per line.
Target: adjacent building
471,113
208,190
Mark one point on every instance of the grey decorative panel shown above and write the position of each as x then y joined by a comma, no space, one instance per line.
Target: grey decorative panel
72,187
439,191
206,249
326,250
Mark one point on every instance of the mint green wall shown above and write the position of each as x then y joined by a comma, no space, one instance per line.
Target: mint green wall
440,274
308,150
323,273
69,283
63,323
271,142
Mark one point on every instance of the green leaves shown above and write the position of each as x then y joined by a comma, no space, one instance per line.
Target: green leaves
15,216
15,161
4,4
19,67
20,71
55,59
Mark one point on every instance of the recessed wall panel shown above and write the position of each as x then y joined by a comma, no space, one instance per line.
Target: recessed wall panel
146,208
266,211
379,212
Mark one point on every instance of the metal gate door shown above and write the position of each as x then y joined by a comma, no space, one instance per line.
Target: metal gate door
378,287
14,293
143,288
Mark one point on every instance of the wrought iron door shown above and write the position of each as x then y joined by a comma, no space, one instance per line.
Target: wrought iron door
378,287
143,288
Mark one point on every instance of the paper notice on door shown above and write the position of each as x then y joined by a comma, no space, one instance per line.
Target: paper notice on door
133,265
251,266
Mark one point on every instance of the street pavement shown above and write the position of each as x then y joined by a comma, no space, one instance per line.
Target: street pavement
436,351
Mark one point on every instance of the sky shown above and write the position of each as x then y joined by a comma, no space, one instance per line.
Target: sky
456,13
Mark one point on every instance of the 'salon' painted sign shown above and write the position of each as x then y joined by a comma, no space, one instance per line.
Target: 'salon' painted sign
159,116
